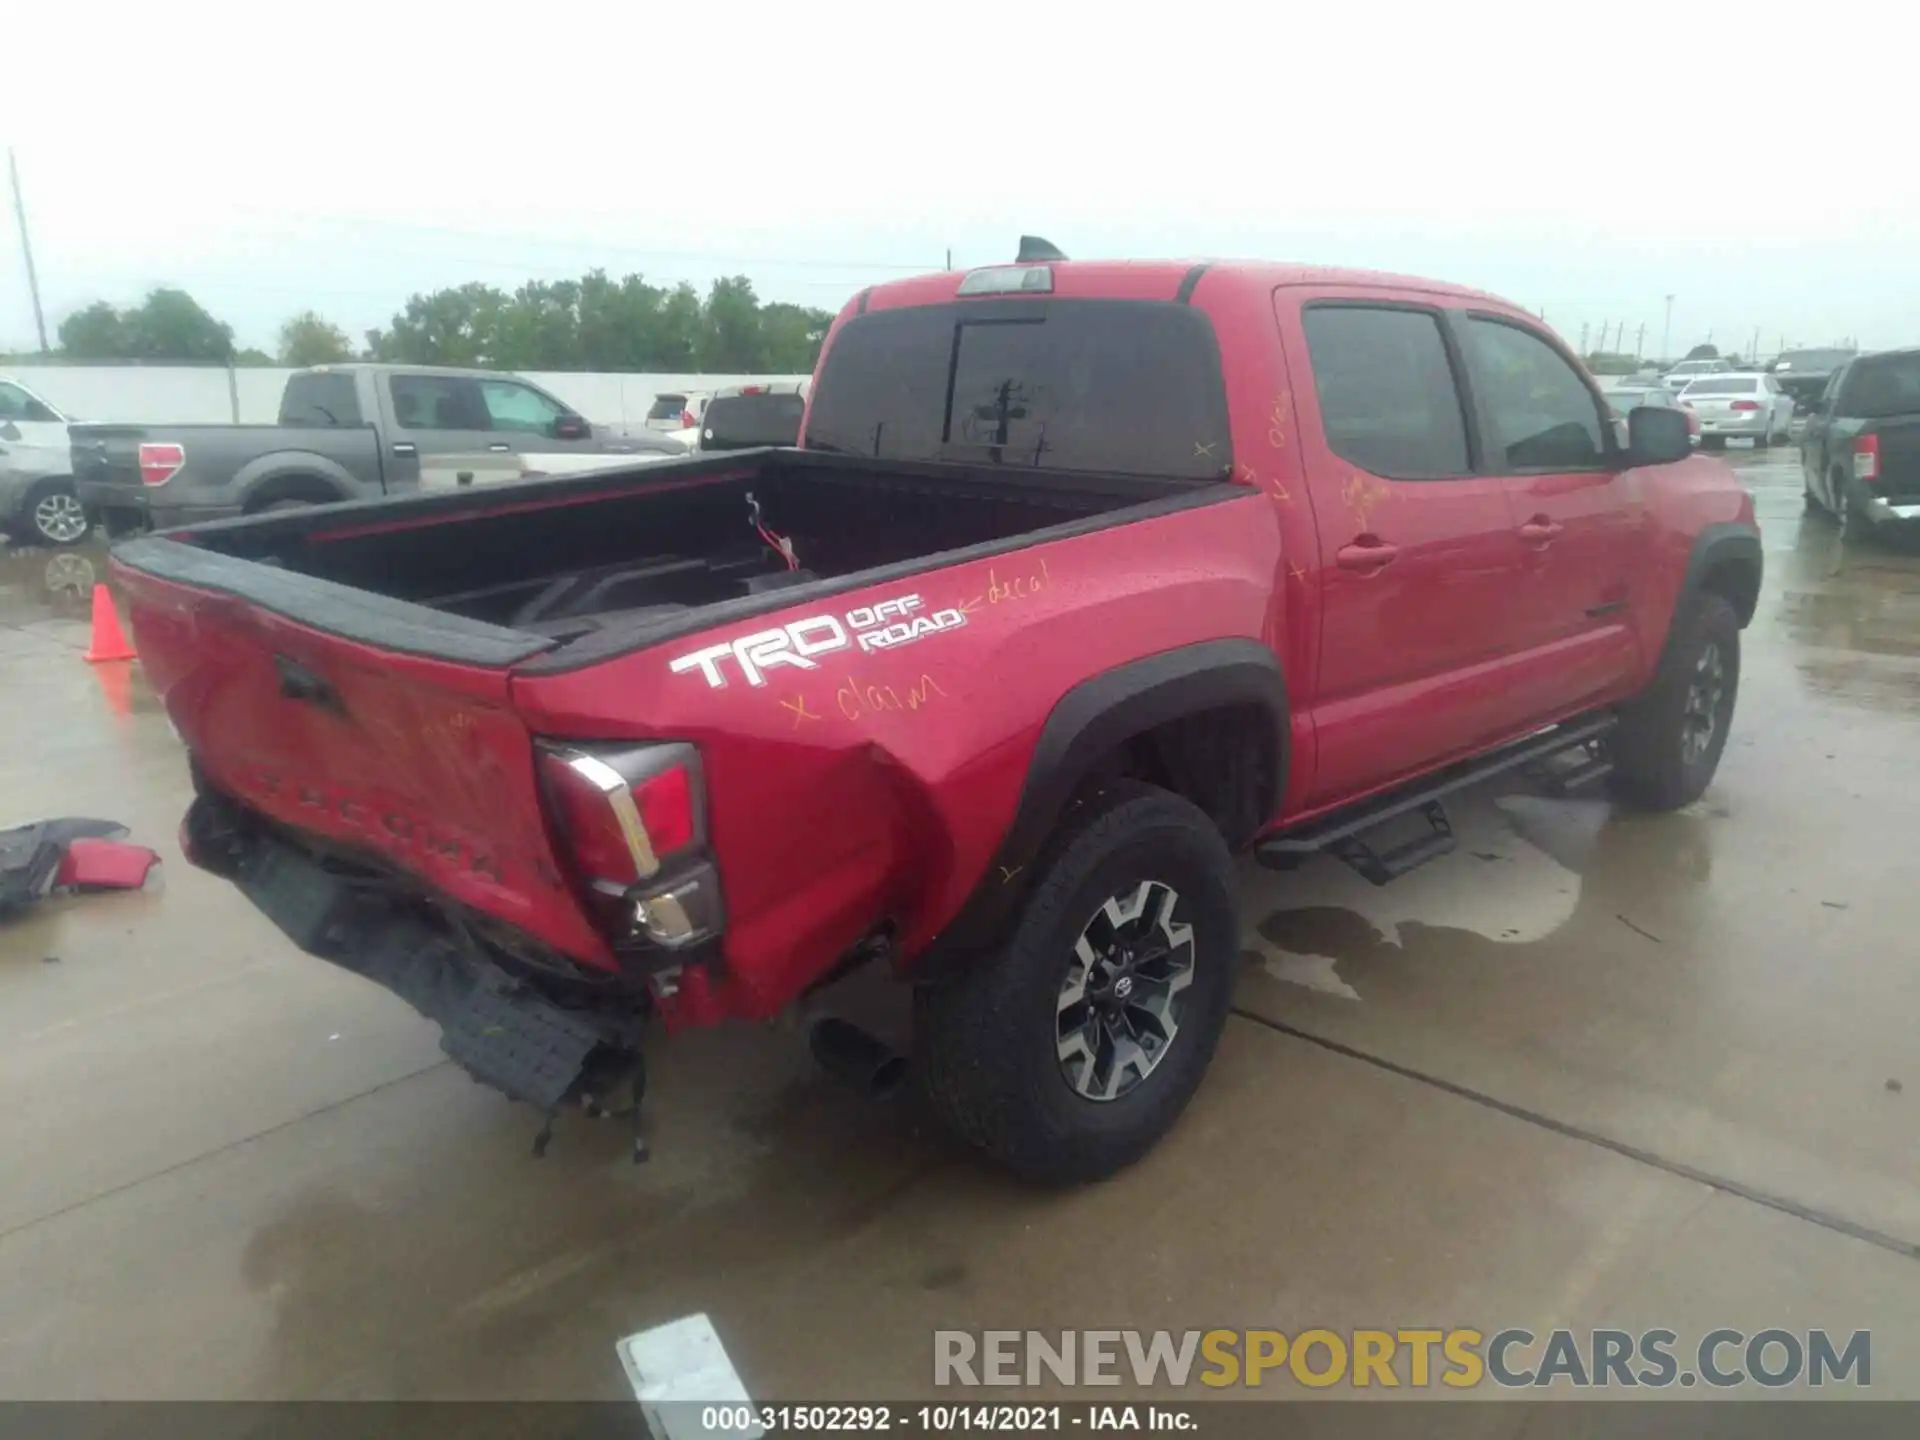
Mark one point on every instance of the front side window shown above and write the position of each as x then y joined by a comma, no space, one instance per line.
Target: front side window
1542,414
1387,396
513,406
17,404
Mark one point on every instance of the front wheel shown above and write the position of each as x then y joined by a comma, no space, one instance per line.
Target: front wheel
1069,1051
1671,735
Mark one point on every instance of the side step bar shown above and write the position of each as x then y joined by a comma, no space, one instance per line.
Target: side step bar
1343,834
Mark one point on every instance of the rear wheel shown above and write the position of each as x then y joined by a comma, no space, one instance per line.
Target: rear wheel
1068,1052
1762,442
1713,442
53,515
1671,735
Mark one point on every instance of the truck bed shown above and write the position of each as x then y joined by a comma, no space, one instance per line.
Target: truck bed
620,559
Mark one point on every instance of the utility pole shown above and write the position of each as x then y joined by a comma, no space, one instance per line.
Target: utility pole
1640,340
949,257
1583,338
26,250
1666,334
1754,354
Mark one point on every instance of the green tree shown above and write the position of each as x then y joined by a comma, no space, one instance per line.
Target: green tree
731,338
171,325
168,325
460,326
793,336
95,333
307,339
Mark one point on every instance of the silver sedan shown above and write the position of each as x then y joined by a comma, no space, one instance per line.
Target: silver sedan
1745,405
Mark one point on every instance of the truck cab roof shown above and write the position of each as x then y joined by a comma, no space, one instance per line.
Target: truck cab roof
1149,280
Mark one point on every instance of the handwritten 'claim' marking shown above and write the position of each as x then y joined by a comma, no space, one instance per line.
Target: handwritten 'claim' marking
856,701
1363,495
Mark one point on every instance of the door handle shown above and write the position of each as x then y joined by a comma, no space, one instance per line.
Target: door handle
500,445
1540,530
1368,553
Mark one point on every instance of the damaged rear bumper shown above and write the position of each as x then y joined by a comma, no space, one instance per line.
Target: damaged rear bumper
496,1026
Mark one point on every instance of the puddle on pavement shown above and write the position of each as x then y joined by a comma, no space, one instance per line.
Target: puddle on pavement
1529,869
38,585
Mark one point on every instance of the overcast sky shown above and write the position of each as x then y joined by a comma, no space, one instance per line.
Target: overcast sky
1756,162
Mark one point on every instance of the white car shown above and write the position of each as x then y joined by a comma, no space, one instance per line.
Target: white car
1745,405
1687,371
678,413
37,501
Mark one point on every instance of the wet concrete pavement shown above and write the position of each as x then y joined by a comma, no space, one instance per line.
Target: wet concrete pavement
1591,1069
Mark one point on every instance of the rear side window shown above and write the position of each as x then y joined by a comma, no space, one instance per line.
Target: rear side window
1116,386
437,402
1542,415
741,422
1881,385
1743,385
319,400
1387,395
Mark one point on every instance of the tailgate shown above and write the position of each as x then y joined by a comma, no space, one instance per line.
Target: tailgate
422,761
1899,458
108,455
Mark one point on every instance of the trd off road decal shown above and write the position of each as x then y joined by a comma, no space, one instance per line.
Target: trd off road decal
885,626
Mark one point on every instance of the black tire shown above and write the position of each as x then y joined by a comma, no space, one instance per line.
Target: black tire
278,505
1713,442
987,1043
1762,442
1659,761
49,514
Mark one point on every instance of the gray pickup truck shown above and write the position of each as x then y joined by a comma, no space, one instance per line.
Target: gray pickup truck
346,432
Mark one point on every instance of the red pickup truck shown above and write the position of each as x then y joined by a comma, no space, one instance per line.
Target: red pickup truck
1085,577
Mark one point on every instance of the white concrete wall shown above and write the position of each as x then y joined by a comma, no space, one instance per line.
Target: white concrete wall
186,394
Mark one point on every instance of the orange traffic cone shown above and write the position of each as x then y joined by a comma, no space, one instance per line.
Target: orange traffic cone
109,642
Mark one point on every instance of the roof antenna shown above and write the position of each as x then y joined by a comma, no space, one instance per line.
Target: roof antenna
1033,248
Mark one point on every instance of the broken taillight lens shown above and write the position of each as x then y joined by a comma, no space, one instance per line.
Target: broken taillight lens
1866,458
630,822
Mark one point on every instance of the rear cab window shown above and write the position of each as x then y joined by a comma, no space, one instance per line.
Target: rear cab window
1130,387
1388,400
1880,386
320,400
667,407
744,422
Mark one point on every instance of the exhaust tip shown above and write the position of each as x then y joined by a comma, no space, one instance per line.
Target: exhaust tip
856,1057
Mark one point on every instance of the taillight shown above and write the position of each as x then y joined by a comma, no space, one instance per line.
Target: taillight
630,821
1866,458
687,422
1744,405
160,461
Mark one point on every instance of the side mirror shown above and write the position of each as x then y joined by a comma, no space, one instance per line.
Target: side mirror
572,427
1657,435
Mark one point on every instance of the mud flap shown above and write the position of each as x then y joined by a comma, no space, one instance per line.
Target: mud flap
497,1029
